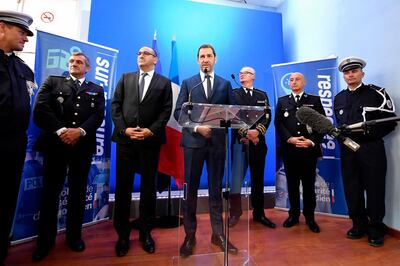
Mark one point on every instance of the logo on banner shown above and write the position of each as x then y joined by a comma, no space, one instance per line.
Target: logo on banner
58,58
285,83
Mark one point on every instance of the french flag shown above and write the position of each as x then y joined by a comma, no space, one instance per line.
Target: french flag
171,155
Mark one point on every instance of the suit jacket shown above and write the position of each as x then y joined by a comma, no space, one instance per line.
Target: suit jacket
153,112
288,126
59,103
221,94
259,98
15,104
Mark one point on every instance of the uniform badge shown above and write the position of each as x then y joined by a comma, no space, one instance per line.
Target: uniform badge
286,114
341,111
60,99
389,104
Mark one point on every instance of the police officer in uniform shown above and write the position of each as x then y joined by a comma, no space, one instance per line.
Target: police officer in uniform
365,169
16,87
300,147
252,149
68,110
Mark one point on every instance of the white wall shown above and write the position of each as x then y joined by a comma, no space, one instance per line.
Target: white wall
71,19
315,29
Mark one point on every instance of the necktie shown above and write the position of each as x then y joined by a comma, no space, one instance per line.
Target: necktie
208,77
77,84
297,98
248,96
141,86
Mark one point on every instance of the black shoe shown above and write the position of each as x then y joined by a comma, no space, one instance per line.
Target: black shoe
356,233
264,221
313,226
220,241
233,220
122,247
148,244
187,246
40,253
376,241
76,245
291,221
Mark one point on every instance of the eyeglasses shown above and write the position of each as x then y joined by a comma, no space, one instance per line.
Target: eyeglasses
145,53
246,73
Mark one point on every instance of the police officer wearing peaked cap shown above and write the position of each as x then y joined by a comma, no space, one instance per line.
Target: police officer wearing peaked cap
351,62
16,85
365,169
18,19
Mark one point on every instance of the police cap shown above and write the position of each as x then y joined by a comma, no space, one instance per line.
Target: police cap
19,19
351,62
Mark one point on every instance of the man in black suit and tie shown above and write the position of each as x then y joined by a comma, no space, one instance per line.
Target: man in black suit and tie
141,108
300,147
203,144
16,87
249,145
69,110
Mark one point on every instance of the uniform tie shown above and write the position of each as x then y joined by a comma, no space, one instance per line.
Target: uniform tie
297,98
208,77
141,86
248,96
77,84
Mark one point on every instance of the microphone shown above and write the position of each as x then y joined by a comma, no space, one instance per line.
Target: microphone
363,126
322,125
190,105
234,79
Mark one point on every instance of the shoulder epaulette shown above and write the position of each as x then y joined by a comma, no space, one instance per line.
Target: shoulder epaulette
373,86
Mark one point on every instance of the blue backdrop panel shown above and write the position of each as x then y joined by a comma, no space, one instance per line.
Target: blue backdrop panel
321,76
52,55
240,36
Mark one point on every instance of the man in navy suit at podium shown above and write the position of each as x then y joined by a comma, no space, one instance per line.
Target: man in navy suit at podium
203,144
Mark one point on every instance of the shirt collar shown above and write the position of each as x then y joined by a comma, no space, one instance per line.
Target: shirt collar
301,94
355,87
150,73
81,80
202,75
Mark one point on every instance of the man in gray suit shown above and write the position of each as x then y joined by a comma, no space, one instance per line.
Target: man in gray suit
203,144
141,108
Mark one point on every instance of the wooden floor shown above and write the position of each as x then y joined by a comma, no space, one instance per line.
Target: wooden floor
280,246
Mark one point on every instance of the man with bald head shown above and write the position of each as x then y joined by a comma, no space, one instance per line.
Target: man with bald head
300,148
16,85
141,108
249,150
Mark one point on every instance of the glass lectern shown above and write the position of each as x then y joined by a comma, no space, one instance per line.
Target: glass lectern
223,117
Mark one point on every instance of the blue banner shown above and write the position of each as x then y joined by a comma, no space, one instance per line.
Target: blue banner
321,76
52,55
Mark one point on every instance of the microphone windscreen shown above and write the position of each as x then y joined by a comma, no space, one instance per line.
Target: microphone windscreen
313,119
233,76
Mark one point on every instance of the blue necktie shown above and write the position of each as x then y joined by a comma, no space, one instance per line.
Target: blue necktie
208,77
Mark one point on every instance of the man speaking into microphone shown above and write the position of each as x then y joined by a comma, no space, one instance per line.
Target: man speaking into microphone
203,144
364,170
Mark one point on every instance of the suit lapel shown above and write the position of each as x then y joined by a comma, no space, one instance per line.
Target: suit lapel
70,84
153,82
201,88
